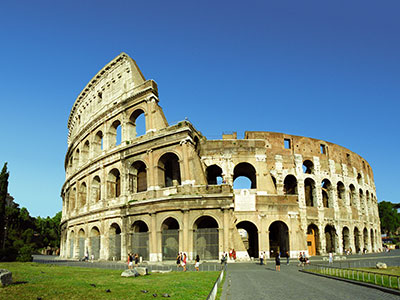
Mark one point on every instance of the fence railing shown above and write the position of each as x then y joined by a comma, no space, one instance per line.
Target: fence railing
384,280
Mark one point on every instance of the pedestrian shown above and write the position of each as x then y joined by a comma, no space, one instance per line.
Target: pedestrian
183,262
262,258
92,258
136,257
130,261
330,258
287,257
234,254
178,260
277,262
301,260
197,262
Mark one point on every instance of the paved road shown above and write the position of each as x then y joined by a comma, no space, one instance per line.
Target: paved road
252,281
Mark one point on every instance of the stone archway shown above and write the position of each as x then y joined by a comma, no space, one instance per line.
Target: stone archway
140,239
330,239
278,238
170,239
114,242
313,240
206,238
249,237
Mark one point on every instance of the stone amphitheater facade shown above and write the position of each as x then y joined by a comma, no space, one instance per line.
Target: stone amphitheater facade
171,189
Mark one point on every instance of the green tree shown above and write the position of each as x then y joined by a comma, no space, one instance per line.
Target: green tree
390,218
3,196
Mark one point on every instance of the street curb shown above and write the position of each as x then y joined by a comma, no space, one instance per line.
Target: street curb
372,286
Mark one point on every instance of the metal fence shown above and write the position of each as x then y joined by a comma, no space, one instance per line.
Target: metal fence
170,244
114,242
140,244
385,280
95,247
206,243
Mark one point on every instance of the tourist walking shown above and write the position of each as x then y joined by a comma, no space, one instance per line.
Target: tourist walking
183,262
178,260
136,259
197,262
277,262
330,258
130,261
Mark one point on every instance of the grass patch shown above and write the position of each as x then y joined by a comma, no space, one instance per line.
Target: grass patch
32,280
382,277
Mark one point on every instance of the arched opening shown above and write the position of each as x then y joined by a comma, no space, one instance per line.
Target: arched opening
140,239
346,239
82,195
247,171
81,243
330,239
249,236
205,238
326,188
95,243
313,240
85,152
372,240
77,158
114,134
138,177
359,178
114,242
308,167
169,172
290,185
357,239
366,239
137,124
96,189
352,195
309,192
214,175
170,238
362,201
274,182
368,205
341,192
98,143
114,184
72,199
71,244
278,238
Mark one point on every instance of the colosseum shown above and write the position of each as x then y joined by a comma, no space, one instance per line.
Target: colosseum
169,188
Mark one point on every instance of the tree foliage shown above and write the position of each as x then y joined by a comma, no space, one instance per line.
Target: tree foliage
390,218
3,196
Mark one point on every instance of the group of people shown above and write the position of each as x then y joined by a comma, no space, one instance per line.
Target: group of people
181,261
303,259
133,259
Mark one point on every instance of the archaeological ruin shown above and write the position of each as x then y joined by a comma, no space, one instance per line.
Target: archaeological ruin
168,188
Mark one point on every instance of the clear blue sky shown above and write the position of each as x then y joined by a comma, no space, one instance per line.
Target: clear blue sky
323,69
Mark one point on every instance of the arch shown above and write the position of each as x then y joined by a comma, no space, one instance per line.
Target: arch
326,189
362,200
95,242
206,238
72,199
77,158
114,242
310,192
137,124
341,191
366,239
85,151
82,194
352,195
114,134
274,182
140,239
214,174
170,238
346,239
81,243
313,244
278,238
138,177
250,239
330,239
290,185
114,183
372,240
169,173
308,167
96,189
359,179
357,236
98,143
71,244
246,170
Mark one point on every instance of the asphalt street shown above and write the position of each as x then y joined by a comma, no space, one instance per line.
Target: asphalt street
253,281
